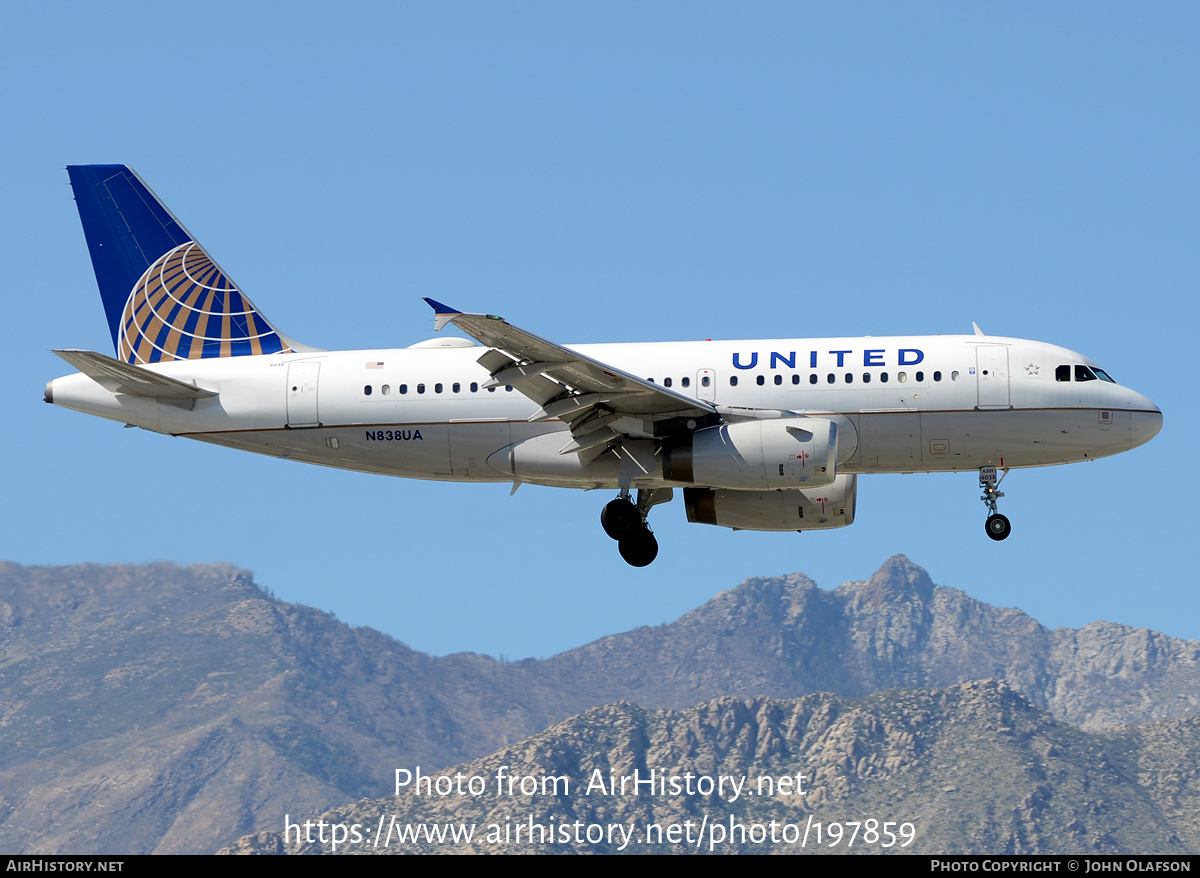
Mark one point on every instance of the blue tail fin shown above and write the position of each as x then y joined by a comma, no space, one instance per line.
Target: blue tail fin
164,296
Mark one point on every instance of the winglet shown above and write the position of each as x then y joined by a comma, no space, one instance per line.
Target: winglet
975,326
442,314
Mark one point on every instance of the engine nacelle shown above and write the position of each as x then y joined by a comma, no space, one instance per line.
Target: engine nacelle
756,455
540,460
802,509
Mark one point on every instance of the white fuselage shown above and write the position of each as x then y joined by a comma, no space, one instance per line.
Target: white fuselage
905,404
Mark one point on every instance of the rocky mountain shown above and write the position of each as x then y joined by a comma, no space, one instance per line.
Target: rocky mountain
785,637
166,709
968,769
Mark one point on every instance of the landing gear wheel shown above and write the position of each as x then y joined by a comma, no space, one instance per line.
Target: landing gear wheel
997,526
639,548
619,518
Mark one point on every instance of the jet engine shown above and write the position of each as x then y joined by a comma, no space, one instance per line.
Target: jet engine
756,455
798,509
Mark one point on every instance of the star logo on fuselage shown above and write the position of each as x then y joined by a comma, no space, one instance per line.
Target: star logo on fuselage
1031,370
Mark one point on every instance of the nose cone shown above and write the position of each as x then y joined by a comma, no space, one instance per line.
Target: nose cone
1145,420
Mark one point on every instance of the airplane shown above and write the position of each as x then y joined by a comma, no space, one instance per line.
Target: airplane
766,435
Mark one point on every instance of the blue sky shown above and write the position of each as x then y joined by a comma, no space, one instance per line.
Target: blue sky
615,172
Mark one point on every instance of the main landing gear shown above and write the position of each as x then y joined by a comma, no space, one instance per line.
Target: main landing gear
625,522
997,525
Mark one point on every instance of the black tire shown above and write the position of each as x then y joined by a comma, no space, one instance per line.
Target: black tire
619,518
639,549
997,527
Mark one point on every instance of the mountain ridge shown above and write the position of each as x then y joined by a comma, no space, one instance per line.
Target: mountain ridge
167,709
971,768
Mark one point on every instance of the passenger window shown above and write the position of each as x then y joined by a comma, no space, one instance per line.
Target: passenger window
883,377
920,376
403,389
456,387
796,378
685,381
778,379
666,382
437,388
954,375
367,390
937,376
705,381
760,381
830,378
491,390
420,388
385,390
508,387
733,381
474,386
1083,373
849,378
1062,373
866,377
901,377
812,379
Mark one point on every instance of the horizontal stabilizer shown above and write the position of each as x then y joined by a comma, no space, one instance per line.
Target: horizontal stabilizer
121,377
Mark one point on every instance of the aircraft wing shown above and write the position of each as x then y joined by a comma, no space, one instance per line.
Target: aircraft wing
567,384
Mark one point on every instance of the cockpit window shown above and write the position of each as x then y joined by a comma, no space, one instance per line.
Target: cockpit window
1082,373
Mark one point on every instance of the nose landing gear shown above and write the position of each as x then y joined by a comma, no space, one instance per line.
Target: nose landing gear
626,523
997,525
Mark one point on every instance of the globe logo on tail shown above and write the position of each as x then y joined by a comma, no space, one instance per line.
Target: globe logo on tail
184,308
